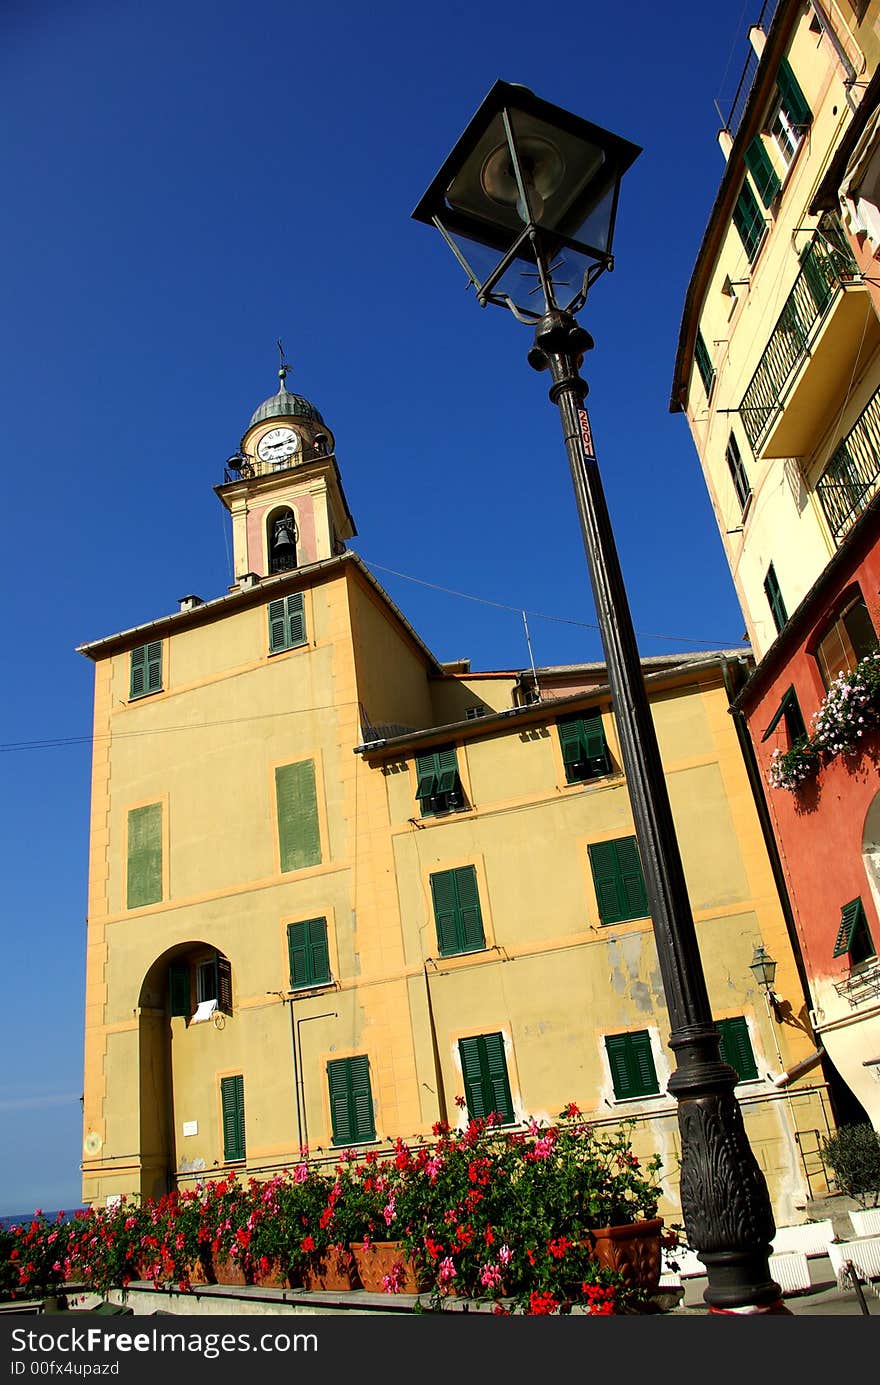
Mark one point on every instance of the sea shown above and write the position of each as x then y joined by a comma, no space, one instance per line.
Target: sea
7,1222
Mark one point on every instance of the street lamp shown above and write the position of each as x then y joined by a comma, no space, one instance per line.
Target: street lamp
763,968
535,189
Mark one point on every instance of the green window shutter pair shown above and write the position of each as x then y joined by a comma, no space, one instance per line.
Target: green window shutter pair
484,1069
146,670
794,102
773,594
287,623
232,1101
749,221
308,952
584,748
757,161
736,1047
351,1100
618,878
457,911
854,935
299,836
632,1065
439,787
704,363
144,872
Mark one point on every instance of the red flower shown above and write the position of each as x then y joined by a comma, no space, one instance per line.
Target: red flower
571,1110
307,1243
488,1237
541,1303
434,1248
559,1248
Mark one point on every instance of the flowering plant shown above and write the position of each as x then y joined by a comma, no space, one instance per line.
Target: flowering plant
849,710
32,1257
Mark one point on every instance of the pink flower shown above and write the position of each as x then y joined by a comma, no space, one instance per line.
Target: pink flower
446,1271
505,1254
300,1173
490,1276
388,1212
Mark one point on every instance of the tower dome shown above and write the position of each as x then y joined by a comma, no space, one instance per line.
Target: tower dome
284,404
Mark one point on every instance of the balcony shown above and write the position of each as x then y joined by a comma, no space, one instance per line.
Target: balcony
825,331
852,475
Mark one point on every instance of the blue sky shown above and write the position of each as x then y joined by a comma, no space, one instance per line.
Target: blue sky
183,184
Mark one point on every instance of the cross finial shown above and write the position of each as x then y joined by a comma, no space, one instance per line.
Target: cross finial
284,368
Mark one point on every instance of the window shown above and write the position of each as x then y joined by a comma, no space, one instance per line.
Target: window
439,786
757,161
749,221
351,1100
774,599
308,953
854,935
584,749
232,1103
209,978
848,639
484,1069
146,670
144,861
790,713
736,1047
457,911
287,623
737,471
704,364
478,710
632,1065
617,876
299,837
785,136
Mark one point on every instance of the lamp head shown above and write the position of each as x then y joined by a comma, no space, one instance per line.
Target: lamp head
529,179
763,967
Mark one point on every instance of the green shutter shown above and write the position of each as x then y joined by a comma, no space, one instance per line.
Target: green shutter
232,1101
736,1047
437,774
632,1065
484,1070
179,988
224,985
748,221
299,835
287,623
851,915
457,911
704,363
308,952
445,911
583,745
758,163
146,669
794,103
618,879
351,1100
144,873
774,598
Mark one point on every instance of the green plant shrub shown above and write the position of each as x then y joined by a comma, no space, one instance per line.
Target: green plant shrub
853,1156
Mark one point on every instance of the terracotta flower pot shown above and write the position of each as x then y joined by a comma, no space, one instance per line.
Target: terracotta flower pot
634,1251
228,1271
275,1277
335,1270
379,1262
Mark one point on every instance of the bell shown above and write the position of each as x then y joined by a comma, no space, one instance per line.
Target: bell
282,535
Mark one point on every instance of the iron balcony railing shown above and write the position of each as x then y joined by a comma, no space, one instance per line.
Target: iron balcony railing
747,79
852,475
825,263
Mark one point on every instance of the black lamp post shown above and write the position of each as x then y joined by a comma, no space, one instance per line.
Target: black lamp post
535,189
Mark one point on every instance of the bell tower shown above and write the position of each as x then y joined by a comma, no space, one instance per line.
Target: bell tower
283,489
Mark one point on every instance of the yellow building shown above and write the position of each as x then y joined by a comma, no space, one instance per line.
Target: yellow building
338,888
778,373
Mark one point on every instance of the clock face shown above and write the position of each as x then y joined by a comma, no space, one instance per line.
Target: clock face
277,445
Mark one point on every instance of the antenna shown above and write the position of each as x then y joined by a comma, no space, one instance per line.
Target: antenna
284,368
